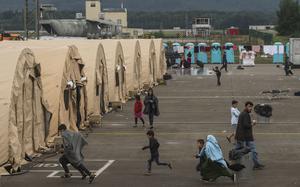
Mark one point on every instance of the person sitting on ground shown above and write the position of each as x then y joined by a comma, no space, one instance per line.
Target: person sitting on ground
234,119
153,146
73,143
200,145
218,73
215,165
138,110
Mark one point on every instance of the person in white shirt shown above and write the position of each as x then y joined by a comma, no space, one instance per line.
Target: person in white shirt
234,119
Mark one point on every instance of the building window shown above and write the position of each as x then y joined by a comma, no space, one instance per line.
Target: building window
93,4
119,21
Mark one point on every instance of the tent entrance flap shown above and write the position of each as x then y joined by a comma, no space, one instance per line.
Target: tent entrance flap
120,78
27,119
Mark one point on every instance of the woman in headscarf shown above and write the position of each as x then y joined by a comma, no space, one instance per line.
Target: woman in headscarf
215,165
151,106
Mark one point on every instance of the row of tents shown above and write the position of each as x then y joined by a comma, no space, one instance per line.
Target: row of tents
52,82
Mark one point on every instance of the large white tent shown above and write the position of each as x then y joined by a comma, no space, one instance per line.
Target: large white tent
61,70
148,62
161,63
116,70
133,63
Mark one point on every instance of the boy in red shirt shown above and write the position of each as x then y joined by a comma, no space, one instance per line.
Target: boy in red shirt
138,110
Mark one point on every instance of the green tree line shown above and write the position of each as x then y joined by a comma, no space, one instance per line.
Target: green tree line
184,19
13,20
289,18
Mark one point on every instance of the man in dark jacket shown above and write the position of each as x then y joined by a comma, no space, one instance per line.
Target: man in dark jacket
153,146
73,143
244,134
224,63
151,106
287,67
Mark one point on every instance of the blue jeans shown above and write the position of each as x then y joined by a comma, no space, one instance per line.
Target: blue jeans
251,145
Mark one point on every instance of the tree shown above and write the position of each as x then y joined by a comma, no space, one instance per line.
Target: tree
288,17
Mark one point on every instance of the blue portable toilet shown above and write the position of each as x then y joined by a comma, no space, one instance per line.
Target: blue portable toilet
176,47
202,54
216,53
287,49
278,56
189,51
229,53
165,46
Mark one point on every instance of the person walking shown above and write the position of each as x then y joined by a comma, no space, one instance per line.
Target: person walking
153,146
224,62
73,143
244,134
219,74
151,106
287,67
234,119
138,110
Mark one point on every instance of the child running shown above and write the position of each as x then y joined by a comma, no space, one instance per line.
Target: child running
138,111
235,113
153,146
200,146
219,74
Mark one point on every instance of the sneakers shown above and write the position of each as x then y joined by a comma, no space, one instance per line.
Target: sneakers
134,126
234,178
170,166
148,173
228,139
258,167
66,176
92,177
83,177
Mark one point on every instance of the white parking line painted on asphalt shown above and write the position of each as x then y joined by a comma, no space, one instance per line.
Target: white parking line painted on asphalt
110,162
54,173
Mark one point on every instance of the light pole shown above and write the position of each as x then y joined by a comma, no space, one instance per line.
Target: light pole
26,19
37,19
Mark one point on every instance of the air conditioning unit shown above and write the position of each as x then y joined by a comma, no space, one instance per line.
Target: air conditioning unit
79,15
101,16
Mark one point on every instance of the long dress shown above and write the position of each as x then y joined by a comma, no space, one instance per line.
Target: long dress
214,165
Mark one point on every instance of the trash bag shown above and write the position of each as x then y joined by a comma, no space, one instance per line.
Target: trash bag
297,93
239,67
167,76
263,110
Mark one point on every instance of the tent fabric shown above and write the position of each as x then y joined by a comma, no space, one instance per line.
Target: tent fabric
148,62
132,57
115,70
161,59
22,112
93,55
61,64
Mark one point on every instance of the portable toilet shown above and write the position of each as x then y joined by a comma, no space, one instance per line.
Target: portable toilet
165,46
216,53
278,56
287,49
202,55
229,53
176,49
189,51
